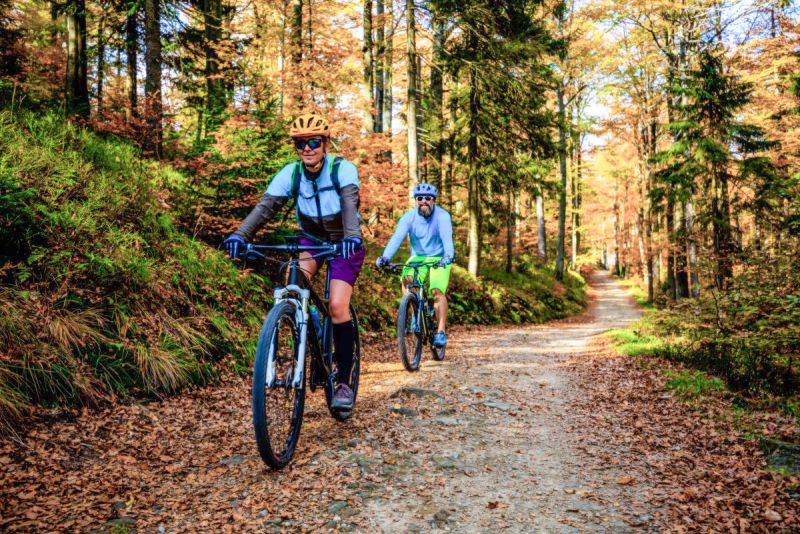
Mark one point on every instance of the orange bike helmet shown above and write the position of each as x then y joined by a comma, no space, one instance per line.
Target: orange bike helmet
308,125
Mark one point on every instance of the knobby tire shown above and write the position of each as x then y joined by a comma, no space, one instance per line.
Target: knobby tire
409,343
277,426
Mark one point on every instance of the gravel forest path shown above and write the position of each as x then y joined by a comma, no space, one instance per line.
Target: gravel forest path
520,429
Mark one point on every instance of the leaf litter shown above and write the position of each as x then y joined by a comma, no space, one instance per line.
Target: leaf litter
629,455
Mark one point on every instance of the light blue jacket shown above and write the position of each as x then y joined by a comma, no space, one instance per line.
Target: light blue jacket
432,236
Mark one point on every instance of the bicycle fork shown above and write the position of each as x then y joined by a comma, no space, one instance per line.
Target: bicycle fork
301,318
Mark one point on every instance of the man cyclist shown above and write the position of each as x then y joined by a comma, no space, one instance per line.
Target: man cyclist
326,193
430,230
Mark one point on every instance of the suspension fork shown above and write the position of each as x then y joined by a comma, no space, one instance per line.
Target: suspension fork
301,318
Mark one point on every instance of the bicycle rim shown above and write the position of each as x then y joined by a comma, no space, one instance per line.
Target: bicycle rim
409,341
277,410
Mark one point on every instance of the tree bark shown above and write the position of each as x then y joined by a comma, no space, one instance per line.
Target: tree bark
369,68
152,82
388,59
437,96
215,85
101,55
131,51
509,231
576,194
411,97
692,278
540,224
380,22
450,174
297,53
474,191
76,88
282,58
562,194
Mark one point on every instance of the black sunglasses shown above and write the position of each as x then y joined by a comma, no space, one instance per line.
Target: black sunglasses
426,198
313,144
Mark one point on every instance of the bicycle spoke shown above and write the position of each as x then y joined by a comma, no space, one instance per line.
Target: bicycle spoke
277,406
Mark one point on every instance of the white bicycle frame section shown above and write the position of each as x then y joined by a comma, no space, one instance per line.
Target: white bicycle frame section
300,319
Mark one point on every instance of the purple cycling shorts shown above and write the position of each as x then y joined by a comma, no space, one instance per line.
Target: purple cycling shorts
346,270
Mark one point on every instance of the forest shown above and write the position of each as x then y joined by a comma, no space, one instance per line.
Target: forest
655,139
623,178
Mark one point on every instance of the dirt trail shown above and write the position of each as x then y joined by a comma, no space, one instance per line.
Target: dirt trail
520,429
509,456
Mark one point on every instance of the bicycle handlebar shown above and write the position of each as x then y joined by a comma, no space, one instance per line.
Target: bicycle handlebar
252,252
415,265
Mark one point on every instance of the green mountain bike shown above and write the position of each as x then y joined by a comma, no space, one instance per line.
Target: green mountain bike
416,321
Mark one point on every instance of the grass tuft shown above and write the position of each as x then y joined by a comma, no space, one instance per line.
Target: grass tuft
692,386
76,330
160,368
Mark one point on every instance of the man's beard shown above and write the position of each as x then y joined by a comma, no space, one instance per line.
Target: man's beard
425,211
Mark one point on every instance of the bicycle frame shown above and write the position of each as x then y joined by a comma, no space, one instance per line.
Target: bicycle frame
423,310
301,297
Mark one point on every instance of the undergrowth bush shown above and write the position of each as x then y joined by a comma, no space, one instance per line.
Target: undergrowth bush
101,295
748,334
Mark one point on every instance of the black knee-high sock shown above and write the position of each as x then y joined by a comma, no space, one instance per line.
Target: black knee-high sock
343,340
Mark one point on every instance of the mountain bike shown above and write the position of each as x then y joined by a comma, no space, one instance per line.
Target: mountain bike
416,321
290,332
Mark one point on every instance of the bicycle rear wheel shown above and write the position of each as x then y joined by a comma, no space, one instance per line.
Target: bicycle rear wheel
437,352
277,409
355,372
409,332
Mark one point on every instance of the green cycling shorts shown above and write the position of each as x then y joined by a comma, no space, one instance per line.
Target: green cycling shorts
440,276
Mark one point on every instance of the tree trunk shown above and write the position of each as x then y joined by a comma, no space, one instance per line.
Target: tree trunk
562,194
540,223
411,97
437,96
388,59
282,58
152,82
651,147
131,50
519,221
101,55
76,88
576,203
509,231
692,279
369,68
379,64
296,91
474,192
450,174
723,242
215,86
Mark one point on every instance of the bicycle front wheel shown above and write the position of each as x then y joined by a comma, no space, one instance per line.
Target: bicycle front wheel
409,332
278,407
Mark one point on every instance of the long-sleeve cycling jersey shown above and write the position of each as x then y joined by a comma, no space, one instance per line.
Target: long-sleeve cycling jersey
320,210
431,236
